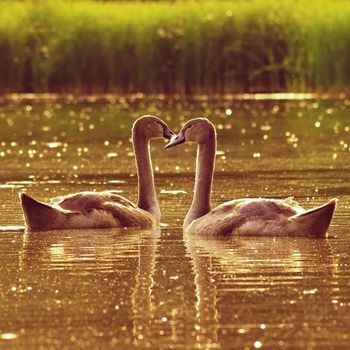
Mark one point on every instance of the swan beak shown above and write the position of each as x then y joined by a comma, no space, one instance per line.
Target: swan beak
167,133
176,140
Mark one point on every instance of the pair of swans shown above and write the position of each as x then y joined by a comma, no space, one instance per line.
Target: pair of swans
246,216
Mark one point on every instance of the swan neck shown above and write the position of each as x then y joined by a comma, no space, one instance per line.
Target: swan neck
204,179
147,197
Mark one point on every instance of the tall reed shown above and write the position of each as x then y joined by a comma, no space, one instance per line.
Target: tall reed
182,47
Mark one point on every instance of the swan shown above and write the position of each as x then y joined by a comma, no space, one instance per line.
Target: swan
106,209
247,216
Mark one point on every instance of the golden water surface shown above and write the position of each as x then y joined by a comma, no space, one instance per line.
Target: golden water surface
161,289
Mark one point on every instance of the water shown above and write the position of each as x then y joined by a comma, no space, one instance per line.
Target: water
159,289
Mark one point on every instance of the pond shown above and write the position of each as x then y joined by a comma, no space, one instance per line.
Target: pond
159,289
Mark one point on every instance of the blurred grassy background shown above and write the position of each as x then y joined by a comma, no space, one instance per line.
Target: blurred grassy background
184,47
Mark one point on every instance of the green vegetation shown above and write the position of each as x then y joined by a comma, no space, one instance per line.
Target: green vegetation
174,47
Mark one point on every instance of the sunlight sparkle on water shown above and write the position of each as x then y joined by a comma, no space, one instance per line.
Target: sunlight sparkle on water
258,344
54,144
172,191
112,154
8,336
228,111
310,291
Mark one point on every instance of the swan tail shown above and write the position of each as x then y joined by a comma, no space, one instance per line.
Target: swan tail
316,221
40,216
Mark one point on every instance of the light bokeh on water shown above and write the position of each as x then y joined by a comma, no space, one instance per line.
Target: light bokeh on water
159,289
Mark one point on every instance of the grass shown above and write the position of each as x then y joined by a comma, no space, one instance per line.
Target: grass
174,47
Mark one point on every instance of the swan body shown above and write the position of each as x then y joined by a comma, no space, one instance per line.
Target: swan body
105,209
248,216
266,217
85,210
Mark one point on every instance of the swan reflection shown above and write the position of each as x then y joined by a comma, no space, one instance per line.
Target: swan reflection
117,267
239,279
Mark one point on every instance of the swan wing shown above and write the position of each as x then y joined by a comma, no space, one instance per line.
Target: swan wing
258,207
128,216
293,203
100,206
87,201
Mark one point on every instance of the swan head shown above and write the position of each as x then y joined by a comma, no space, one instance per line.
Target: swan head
197,130
150,127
